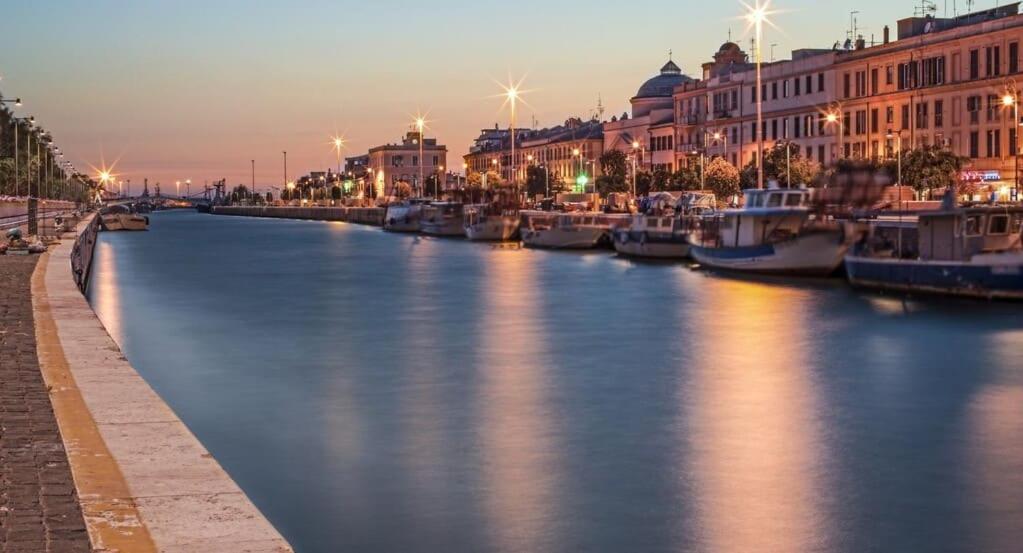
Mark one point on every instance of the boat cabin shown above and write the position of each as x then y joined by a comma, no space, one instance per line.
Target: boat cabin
776,198
958,235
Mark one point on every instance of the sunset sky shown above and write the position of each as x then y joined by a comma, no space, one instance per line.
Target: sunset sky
188,89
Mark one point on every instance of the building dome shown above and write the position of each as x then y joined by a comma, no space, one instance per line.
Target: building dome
663,85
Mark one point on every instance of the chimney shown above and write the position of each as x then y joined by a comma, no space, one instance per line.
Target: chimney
887,34
860,43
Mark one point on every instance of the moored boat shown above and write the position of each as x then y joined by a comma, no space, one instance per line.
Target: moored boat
662,231
442,219
404,216
120,217
582,230
969,251
774,232
498,220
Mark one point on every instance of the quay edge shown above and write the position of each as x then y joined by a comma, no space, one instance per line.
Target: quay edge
144,481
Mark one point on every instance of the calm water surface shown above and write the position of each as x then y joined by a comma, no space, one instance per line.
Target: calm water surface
380,392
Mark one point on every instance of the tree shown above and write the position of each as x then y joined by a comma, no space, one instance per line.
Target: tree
644,183
660,181
722,178
402,190
607,184
687,177
614,163
335,192
931,167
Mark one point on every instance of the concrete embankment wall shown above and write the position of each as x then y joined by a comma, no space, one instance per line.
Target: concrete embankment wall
145,482
359,215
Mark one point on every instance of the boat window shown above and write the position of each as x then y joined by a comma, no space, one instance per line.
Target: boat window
1017,224
999,224
973,225
774,200
793,200
653,222
756,200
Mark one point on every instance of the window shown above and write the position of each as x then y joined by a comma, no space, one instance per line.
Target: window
875,120
889,75
861,83
1013,57
861,122
785,88
753,131
793,200
796,82
774,90
921,115
820,82
753,94
774,200
974,64
846,123
873,82
796,127
774,129
998,224
889,115
905,116
994,143
993,57
845,85
973,108
809,84
939,114
972,225
974,144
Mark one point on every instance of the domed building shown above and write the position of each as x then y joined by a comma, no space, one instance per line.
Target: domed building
651,125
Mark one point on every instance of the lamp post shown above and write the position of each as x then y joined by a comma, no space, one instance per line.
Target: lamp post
756,16
252,193
17,171
1011,98
420,125
635,147
836,117
716,136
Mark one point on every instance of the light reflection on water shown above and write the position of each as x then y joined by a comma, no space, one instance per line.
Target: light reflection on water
383,392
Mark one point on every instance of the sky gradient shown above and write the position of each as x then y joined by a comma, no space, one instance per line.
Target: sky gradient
190,89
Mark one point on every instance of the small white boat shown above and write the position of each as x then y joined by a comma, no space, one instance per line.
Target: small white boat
442,219
404,216
775,232
577,231
972,251
663,232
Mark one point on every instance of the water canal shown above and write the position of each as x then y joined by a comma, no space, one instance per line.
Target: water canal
378,392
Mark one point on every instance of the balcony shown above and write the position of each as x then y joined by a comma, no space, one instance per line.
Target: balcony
723,114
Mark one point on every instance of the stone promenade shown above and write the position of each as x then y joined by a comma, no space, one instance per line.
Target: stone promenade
39,510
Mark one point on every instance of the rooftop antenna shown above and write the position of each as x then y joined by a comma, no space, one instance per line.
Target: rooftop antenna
927,8
600,102
852,25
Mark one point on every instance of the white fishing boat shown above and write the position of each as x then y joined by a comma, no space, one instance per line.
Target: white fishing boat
969,251
774,232
583,230
404,216
442,219
662,232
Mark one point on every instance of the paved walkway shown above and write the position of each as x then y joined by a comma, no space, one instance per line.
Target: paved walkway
39,510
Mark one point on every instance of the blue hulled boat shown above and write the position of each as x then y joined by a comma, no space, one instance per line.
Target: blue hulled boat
967,251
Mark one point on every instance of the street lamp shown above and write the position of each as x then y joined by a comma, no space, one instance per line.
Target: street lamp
1011,98
756,16
717,137
420,126
833,117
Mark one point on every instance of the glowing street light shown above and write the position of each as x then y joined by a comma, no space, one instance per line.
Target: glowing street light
756,16
420,124
833,117
1011,98
339,143
512,94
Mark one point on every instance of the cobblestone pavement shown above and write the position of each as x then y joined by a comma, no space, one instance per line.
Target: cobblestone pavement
39,510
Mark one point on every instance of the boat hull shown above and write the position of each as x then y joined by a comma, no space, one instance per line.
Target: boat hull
123,221
812,254
493,229
652,245
990,276
442,228
564,239
402,219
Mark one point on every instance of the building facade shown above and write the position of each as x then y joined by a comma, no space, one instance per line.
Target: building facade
648,137
951,82
390,164
564,152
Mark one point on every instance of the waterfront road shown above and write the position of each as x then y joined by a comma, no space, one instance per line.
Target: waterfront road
39,510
